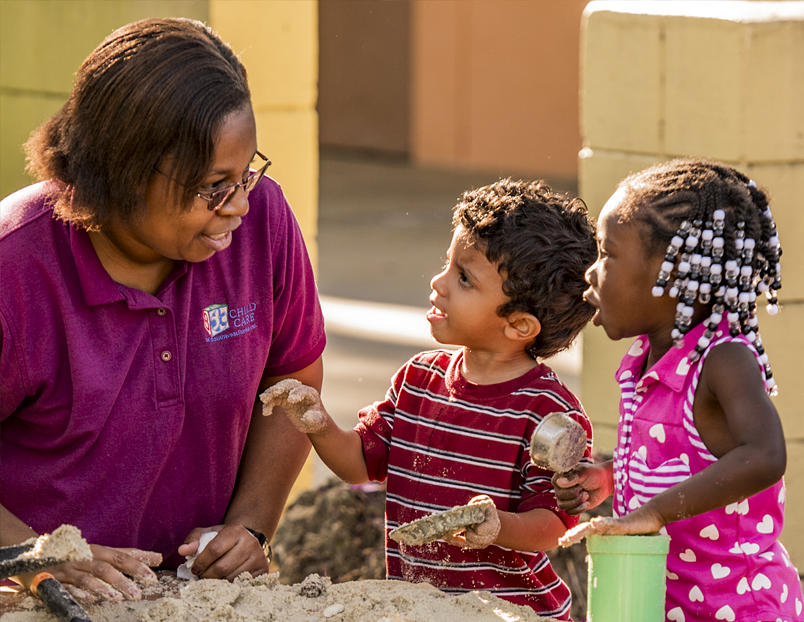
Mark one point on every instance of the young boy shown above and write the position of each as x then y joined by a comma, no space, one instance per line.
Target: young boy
455,426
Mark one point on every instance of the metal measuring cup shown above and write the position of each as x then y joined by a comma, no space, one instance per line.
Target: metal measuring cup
558,443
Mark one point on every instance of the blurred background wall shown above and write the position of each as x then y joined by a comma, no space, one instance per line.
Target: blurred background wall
498,88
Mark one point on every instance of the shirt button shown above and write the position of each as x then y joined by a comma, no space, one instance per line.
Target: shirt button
166,356
160,311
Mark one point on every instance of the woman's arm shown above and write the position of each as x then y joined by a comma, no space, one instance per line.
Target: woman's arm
272,459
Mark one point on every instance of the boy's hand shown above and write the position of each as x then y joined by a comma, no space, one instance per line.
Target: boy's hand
301,403
586,486
481,535
643,520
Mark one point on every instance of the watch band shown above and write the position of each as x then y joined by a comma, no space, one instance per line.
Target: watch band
264,542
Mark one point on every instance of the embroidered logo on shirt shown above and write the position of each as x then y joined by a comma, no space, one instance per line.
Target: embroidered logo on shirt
218,318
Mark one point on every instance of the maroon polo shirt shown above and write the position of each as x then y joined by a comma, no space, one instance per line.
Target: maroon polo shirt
125,413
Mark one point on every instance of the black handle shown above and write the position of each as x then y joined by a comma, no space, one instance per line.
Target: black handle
52,593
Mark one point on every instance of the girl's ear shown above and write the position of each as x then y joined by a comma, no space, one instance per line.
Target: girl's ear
522,326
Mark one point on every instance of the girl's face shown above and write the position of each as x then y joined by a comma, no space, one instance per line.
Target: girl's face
622,278
165,232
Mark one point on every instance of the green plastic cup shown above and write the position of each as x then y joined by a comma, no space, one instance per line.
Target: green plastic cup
626,578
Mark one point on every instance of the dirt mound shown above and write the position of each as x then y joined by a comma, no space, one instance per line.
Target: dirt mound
338,531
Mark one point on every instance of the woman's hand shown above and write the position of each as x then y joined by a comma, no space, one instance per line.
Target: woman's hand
643,520
232,552
106,576
586,486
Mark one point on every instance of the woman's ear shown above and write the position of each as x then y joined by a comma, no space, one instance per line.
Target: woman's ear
522,326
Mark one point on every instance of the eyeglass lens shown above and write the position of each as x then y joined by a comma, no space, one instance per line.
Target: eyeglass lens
220,198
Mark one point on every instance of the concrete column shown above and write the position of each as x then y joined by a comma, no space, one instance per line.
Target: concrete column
723,80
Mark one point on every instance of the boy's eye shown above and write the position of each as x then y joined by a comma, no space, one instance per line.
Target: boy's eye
463,279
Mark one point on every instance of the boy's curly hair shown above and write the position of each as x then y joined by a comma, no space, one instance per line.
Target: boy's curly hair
542,243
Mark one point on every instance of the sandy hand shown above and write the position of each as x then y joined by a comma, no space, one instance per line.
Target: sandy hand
301,403
640,521
481,535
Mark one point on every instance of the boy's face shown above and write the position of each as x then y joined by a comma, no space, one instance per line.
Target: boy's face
465,298
622,278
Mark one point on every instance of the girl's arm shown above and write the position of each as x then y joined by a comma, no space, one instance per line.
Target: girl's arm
739,425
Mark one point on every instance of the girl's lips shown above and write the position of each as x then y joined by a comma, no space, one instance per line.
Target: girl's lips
218,242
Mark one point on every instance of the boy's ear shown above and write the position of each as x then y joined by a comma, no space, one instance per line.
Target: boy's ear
522,326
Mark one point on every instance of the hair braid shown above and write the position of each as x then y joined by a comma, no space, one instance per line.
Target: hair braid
722,248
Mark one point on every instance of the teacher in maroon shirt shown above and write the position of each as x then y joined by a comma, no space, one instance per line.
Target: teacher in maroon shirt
154,282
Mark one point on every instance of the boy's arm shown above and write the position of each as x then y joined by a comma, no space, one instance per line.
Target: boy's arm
341,450
535,530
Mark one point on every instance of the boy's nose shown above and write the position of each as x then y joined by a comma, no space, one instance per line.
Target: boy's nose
436,283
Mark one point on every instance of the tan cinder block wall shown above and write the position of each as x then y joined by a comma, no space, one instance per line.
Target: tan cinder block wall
494,84
717,79
43,42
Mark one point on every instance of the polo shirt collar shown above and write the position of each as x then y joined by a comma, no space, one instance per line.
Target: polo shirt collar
99,288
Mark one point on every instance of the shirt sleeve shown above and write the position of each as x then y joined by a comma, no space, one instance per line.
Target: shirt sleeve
376,429
537,488
13,385
298,337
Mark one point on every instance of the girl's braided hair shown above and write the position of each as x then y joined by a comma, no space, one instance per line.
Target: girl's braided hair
542,243
722,248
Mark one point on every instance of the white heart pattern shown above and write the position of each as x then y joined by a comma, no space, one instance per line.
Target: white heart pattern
749,548
671,575
676,615
634,503
784,593
741,507
742,586
636,348
766,526
643,451
718,571
710,532
688,556
696,595
782,494
760,582
768,555
657,432
626,374
683,367
798,607
725,613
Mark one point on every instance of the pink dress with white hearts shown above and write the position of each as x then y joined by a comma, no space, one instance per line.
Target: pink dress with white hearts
726,564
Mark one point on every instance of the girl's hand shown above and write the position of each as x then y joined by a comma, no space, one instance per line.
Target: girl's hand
232,552
643,520
586,486
104,577
301,403
481,535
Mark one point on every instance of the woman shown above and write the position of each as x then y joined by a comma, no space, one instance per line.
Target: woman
139,320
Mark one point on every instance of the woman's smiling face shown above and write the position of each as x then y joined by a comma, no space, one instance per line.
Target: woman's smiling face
165,231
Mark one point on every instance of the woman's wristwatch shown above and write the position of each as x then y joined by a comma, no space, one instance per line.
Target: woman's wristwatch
264,543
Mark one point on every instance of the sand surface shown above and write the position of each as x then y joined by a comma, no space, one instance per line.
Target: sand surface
264,599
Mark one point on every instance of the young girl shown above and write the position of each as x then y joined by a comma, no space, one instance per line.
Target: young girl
686,250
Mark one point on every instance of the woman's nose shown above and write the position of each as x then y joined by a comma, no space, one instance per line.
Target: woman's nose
237,205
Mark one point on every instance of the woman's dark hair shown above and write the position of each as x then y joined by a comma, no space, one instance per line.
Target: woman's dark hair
542,243
153,95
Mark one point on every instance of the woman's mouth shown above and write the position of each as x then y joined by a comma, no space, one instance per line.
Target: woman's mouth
218,241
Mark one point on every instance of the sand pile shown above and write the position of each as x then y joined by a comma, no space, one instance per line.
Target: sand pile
264,599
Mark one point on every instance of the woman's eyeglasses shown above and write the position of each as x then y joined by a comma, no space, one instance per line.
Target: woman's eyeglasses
219,198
